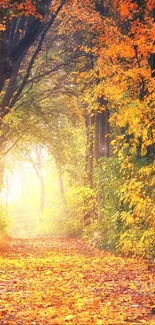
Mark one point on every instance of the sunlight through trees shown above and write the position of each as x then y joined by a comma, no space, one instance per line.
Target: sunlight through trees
77,121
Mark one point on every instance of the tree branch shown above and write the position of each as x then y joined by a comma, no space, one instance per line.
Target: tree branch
35,54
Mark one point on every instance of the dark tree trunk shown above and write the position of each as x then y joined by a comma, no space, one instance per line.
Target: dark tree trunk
20,34
87,140
91,152
89,123
104,133
10,88
107,133
104,128
97,136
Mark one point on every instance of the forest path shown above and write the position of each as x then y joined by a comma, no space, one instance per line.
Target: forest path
59,282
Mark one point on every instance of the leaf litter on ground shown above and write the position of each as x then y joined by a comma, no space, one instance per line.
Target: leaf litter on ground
67,282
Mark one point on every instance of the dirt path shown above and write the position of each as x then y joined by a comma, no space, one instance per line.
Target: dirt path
63,282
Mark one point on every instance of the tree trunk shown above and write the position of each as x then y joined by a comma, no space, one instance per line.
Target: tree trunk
42,193
15,44
89,123
107,133
102,134
91,152
38,165
11,87
2,160
97,138
104,129
61,185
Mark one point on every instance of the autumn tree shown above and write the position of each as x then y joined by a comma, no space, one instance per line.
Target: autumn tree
125,56
97,63
123,76
23,30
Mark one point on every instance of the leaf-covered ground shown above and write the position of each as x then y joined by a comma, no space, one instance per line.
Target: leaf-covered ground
63,282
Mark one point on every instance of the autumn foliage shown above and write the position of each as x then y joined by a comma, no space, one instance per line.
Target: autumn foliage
77,149
121,80
106,88
68,282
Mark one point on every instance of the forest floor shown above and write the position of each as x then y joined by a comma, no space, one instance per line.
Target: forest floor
66,282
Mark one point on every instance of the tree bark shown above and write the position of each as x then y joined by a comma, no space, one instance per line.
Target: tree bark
102,134
11,87
15,47
89,124
107,133
97,136
91,152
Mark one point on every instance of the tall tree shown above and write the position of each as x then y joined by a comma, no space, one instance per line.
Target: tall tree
24,26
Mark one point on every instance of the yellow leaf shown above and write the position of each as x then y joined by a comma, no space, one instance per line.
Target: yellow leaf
68,318
132,286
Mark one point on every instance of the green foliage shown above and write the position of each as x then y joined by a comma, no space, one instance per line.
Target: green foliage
81,200
66,219
107,223
125,212
107,178
138,209
57,221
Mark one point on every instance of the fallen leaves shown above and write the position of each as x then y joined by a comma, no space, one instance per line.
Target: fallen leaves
65,282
